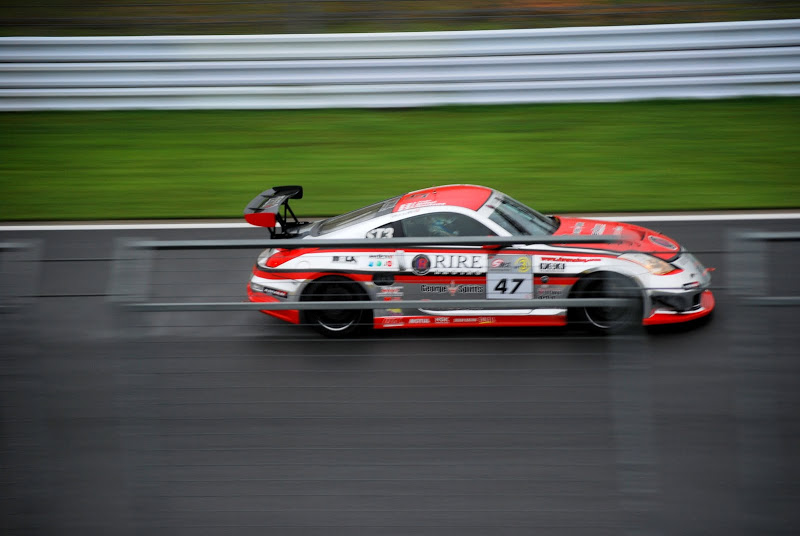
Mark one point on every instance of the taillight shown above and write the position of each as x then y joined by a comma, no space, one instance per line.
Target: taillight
280,256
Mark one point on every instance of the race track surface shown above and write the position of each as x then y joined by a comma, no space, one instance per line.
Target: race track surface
234,423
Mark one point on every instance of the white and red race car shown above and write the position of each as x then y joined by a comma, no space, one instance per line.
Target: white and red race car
665,283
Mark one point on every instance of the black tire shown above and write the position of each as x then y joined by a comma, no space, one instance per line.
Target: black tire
336,323
608,320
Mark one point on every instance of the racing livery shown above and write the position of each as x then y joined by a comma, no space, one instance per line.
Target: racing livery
665,282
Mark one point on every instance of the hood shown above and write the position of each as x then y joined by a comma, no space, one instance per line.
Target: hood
634,237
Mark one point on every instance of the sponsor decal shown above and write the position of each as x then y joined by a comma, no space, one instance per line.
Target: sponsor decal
381,232
272,202
468,289
441,320
546,292
447,263
457,262
419,204
662,242
510,263
342,258
452,289
380,259
420,265
390,293
468,320
419,321
599,229
578,228
275,292
552,266
618,230
393,291
570,259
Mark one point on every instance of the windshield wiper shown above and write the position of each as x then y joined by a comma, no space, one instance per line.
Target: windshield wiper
514,224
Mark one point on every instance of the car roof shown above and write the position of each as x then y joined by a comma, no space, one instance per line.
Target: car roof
467,196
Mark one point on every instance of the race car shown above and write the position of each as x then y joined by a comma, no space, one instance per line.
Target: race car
412,260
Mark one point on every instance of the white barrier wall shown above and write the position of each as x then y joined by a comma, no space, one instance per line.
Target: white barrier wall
710,60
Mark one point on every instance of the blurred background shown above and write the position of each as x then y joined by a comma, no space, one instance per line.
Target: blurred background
225,421
169,17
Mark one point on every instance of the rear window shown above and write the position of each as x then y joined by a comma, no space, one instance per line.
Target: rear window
357,216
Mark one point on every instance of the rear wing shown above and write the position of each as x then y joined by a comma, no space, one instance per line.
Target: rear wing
265,210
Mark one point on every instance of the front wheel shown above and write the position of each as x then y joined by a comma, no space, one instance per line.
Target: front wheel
336,323
608,319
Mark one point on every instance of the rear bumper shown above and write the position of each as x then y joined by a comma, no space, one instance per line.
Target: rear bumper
291,315
666,316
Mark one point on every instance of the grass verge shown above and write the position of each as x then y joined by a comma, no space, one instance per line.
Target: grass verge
642,156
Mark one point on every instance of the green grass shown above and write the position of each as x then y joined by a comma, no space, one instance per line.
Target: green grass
646,156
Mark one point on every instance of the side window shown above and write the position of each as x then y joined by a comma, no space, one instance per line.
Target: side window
444,224
390,230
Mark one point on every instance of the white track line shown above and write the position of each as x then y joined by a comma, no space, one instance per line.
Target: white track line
123,226
244,225
703,217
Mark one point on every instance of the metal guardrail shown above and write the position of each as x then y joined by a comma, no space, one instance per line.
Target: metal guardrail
707,60
369,243
358,305
134,259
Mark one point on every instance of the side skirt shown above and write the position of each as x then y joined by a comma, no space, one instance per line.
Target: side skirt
391,322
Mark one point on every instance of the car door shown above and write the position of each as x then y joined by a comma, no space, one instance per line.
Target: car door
445,273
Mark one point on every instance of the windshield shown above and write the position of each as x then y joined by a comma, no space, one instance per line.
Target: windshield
518,219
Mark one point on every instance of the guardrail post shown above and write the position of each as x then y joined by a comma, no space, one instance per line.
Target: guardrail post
129,281
27,467
632,416
755,404
131,273
19,273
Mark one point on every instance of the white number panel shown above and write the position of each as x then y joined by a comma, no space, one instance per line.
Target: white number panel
381,232
509,277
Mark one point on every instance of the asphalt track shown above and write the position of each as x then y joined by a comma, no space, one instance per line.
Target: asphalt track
234,423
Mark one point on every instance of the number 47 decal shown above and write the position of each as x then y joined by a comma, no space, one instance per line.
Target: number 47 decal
502,285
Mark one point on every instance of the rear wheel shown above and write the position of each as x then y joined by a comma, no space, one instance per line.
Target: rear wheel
608,319
336,323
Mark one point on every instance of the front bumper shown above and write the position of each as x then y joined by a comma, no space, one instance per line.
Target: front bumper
681,297
679,302
704,305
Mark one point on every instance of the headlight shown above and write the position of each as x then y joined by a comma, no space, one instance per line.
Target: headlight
654,265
